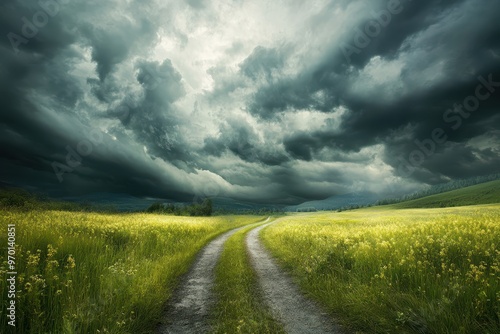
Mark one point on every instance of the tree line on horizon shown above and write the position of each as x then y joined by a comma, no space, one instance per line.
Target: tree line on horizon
440,188
204,208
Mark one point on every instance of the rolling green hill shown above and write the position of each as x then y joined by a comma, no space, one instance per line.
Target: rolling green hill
484,193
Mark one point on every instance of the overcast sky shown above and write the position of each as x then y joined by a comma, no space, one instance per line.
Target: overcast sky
269,101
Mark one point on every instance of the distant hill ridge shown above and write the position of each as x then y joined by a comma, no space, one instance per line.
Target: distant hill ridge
441,188
357,200
484,193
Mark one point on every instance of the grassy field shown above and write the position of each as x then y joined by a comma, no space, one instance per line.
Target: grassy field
387,269
240,308
484,193
100,273
383,270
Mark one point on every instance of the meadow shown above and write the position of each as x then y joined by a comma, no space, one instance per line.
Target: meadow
390,270
385,269
100,273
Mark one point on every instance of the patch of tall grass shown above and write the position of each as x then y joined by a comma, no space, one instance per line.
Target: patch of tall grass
398,271
99,273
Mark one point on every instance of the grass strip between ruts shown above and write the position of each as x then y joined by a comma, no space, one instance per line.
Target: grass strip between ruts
239,307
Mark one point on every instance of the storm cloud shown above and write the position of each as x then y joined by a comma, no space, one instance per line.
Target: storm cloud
269,102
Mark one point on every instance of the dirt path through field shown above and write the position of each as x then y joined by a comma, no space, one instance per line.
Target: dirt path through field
188,312
298,314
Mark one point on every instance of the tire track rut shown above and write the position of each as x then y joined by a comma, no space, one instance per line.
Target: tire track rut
298,314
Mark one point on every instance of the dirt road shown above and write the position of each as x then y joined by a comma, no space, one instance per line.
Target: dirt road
189,310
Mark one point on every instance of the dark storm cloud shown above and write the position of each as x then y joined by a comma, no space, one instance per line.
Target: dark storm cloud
111,45
20,34
318,185
468,46
238,137
154,119
460,34
108,49
304,115
396,21
301,146
40,118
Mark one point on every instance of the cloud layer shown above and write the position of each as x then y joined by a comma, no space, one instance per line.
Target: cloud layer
270,102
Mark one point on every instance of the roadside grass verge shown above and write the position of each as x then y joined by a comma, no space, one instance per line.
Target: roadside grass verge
100,273
397,271
239,307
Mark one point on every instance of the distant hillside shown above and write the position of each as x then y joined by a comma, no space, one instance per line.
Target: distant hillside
441,188
19,199
484,193
345,201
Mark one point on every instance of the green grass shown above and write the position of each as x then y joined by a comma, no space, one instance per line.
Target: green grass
99,273
484,193
240,308
382,270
